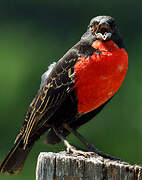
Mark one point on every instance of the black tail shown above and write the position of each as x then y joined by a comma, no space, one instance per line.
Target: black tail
14,161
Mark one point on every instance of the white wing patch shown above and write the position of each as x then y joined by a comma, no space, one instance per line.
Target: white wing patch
46,74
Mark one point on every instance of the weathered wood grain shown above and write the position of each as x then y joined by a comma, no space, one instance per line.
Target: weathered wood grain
63,166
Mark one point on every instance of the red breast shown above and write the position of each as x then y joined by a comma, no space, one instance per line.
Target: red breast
98,77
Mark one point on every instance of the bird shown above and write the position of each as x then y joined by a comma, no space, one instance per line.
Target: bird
72,91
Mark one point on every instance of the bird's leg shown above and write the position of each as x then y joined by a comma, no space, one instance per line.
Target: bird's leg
90,147
70,148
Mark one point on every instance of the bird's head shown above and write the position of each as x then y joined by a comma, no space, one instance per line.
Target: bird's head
102,27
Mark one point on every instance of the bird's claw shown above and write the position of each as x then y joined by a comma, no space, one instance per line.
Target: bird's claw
78,152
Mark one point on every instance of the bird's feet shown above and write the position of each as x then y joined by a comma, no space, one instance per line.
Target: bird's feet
93,152
78,152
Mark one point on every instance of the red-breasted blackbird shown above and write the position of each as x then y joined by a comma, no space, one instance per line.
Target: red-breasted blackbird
73,90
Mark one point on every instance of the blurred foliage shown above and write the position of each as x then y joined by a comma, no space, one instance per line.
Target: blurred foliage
35,33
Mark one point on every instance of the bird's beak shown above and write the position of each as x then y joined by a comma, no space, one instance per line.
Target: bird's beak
103,30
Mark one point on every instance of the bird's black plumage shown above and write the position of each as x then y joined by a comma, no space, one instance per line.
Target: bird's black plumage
55,103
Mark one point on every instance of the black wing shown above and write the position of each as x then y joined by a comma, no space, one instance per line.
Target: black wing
53,92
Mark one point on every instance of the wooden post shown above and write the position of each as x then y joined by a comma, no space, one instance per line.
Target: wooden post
63,166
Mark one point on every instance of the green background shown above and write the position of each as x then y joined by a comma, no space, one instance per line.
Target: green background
35,33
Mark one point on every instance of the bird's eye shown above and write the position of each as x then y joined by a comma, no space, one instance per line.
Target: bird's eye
113,24
94,24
